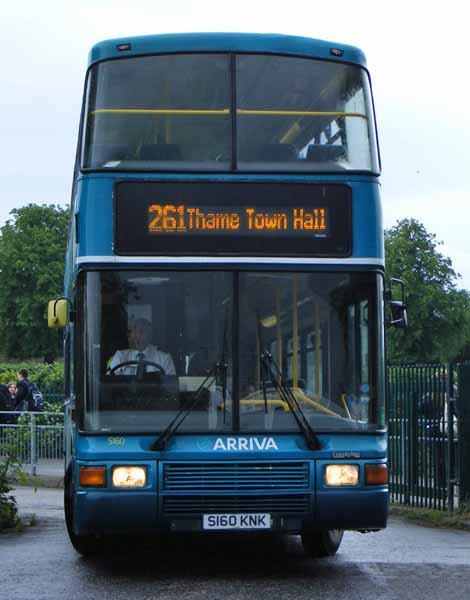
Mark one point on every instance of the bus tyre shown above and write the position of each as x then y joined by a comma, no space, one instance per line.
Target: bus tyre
318,544
86,545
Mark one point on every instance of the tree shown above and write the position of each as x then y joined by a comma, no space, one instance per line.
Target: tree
438,312
32,250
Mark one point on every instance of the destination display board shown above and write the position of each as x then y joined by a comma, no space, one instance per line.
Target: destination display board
232,218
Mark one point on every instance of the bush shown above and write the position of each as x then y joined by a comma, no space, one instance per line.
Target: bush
9,470
44,376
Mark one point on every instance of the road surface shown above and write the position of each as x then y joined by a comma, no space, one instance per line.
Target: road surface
404,561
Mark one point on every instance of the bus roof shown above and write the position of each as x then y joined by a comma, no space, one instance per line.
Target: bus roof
226,42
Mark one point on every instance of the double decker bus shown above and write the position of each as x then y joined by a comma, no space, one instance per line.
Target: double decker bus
224,297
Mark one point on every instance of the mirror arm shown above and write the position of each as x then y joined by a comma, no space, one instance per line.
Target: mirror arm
398,308
57,300
394,281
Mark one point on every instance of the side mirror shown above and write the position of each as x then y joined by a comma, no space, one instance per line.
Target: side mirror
397,307
399,316
57,313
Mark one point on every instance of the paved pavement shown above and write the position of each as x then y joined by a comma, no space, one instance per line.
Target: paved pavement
50,473
401,542
404,562
43,503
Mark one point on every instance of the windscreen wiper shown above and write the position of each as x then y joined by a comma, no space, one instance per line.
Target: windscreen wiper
163,439
222,366
275,376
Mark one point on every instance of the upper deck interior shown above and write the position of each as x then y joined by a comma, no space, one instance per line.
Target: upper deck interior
228,103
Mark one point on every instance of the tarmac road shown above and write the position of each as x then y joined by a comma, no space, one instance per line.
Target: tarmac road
404,561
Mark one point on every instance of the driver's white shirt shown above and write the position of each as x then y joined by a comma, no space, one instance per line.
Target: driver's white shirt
151,353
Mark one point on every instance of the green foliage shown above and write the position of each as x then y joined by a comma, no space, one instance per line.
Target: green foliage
438,313
457,519
32,249
9,470
14,441
44,376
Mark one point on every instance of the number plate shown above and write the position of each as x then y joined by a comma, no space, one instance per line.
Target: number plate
237,521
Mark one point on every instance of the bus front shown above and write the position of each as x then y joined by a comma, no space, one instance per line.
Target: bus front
226,354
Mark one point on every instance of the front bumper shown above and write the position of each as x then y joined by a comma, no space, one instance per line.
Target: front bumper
296,502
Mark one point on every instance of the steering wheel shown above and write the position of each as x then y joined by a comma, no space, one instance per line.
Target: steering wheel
137,363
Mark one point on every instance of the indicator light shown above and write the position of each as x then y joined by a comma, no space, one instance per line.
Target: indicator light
376,474
123,47
92,476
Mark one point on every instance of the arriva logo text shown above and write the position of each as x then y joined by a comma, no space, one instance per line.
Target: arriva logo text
245,443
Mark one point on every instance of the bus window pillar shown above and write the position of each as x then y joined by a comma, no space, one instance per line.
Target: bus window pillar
295,334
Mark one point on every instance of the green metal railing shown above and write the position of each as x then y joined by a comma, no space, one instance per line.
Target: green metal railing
423,435
33,437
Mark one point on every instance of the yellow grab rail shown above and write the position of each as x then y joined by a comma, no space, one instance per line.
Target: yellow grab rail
226,111
299,395
158,111
345,405
271,402
300,113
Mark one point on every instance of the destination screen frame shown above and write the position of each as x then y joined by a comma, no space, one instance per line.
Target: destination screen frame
132,199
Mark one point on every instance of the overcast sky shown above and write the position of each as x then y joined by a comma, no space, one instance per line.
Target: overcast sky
417,53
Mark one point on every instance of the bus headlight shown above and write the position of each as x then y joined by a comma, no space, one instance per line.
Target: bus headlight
336,475
129,477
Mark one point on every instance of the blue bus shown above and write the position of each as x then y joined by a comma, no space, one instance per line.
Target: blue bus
224,293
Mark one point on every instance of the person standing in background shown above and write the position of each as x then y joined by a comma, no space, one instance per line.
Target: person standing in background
5,404
22,391
12,393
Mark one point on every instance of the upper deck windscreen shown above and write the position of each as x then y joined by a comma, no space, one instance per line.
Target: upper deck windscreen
206,112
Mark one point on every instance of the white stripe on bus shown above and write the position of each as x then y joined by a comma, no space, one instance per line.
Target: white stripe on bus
229,260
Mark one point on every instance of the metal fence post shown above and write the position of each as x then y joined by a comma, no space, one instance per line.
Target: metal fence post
463,415
414,443
33,443
449,428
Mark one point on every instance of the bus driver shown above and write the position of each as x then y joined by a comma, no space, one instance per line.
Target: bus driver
139,335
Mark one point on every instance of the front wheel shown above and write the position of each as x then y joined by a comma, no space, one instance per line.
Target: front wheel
86,545
326,542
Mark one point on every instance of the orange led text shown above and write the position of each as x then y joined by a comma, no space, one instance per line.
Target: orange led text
171,218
